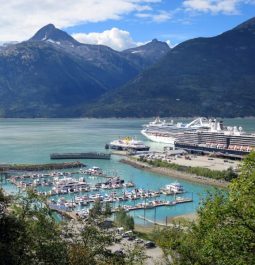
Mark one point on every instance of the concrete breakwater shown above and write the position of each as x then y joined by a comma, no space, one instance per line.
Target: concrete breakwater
89,155
174,173
40,167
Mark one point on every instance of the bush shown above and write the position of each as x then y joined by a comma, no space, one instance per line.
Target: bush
227,175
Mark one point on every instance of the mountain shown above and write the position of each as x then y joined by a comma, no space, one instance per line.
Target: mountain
203,76
51,34
53,75
147,54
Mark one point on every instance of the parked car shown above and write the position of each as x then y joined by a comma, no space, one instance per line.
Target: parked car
139,240
119,252
150,244
131,238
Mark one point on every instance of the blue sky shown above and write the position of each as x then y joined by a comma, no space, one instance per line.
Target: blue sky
181,25
124,23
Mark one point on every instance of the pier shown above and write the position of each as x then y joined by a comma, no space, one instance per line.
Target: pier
89,155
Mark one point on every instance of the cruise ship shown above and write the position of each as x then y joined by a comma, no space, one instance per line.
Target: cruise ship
167,132
205,135
218,138
127,143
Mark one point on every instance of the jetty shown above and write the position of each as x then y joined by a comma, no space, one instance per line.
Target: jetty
40,167
88,155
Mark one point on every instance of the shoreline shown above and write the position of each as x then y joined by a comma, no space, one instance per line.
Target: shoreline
176,174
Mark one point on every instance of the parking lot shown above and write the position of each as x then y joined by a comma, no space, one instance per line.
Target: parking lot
128,241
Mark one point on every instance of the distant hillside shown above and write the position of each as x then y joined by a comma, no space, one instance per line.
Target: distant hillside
147,54
53,75
203,76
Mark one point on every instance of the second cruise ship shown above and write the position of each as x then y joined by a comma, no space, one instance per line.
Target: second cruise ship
202,134
167,132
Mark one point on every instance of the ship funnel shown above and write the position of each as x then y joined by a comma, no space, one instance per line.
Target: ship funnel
221,125
218,128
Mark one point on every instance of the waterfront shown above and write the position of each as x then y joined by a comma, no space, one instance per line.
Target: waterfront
32,141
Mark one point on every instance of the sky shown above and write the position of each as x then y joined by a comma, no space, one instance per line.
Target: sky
123,24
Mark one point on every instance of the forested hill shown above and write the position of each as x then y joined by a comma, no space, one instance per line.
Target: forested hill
203,76
54,75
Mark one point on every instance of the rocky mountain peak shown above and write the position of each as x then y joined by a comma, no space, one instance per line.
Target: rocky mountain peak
52,34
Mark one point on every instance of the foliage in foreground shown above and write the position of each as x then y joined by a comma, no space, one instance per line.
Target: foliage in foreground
29,235
124,220
225,231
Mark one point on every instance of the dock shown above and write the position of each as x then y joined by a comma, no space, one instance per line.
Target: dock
88,155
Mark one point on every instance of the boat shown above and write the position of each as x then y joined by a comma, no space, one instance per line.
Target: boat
167,132
127,144
174,187
159,123
231,141
68,185
94,171
205,135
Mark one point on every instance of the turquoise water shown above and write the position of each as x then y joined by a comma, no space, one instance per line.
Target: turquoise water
32,141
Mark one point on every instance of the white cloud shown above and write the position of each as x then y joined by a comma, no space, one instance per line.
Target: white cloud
115,38
19,19
160,16
213,6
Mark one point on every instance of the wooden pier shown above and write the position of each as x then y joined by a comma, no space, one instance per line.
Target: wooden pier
89,155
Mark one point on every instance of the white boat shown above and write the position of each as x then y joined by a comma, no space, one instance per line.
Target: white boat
174,187
128,143
168,132
202,134
68,185
94,171
159,123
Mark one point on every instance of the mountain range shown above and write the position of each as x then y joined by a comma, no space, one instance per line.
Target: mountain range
53,75
202,76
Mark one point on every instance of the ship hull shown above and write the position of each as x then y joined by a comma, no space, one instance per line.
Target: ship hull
158,138
122,148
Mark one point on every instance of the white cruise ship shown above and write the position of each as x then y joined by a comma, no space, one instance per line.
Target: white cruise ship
167,132
204,135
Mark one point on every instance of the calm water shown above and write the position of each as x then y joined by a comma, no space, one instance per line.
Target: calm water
32,141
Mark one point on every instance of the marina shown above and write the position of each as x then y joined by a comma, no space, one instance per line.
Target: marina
121,195
29,141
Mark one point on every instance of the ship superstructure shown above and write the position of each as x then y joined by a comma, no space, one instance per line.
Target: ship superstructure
127,143
165,132
204,134
219,137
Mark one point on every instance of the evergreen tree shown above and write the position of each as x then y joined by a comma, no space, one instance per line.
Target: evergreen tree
225,231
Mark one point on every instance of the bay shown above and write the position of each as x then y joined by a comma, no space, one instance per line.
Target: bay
32,141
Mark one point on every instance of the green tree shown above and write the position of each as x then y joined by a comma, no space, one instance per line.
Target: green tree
107,210
90,247
125,220
96,211
29,235
225,231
